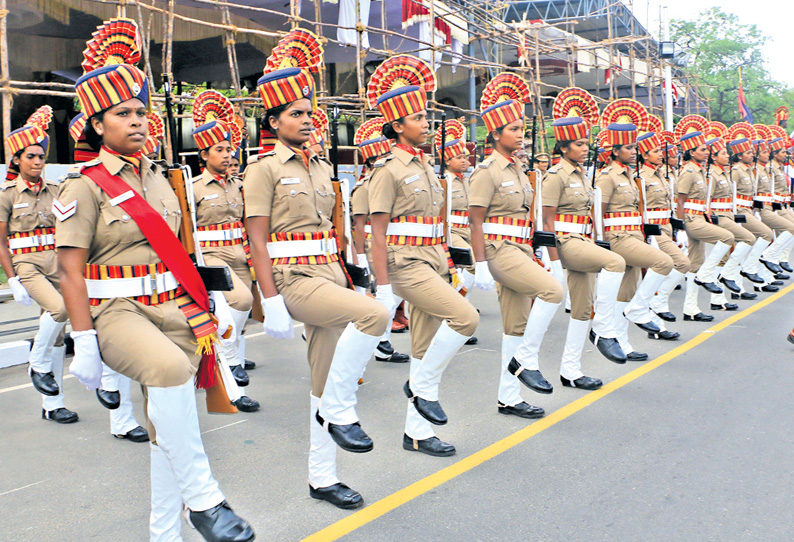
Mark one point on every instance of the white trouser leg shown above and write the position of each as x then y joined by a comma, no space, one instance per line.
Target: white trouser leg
772,253
691,297
638,310
571,364
122,420
709,266
607,286
232,389
622,327
509,386
173,413
427,375
751,263
731,269
785,253
766,274
661,301
538,322
55,360
110,378
416,427
165,520
567,299
45,338
240,318
353,350
387,334
322,451
659,322
719,299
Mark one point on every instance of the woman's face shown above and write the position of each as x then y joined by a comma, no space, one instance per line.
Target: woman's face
123,127
458,164
653,157
234,167
576,151
413,130
722,158
746,157
31,163
672,159
218,157
780,156
294,125
763,156
512,137
626,154
701,153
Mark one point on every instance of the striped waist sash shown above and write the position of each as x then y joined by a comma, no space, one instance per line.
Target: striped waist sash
37,240
722,204
658,216
303,248
502,228
581,224
744,201
623,221
415,231
459,218
220,235
695,206
150,284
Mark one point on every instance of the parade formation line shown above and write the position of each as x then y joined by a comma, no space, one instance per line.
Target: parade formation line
391,502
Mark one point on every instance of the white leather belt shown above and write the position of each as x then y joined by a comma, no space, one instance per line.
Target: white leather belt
695,206
764,199
460,220
721,206
220,235
297,249
521,232
571,227
780,199
131,287
623,221
657,215
411,229
744,201
31,241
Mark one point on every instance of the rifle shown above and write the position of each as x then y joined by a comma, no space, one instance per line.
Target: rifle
539,238
595,210
709,216
676,223
647,228
341,214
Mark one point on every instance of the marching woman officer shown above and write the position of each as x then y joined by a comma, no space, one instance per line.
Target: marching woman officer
500,214
567,211
623,230
409,257
658,204
782,194
289,202
27,255
146,329
219,225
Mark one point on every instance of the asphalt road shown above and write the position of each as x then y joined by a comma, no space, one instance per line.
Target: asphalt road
698,448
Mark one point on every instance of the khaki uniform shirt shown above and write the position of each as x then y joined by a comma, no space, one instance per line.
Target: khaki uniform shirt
24,211
741,175
359,198
618,190
216,204
565,187
692,182
721,186
763,182
781,181
657,191
459,187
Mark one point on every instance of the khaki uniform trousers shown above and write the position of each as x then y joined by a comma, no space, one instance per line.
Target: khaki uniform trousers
637,253
755,226
582,258
239,297
318,296
38,273
420,275
700,232
668,246
519,279
776,222
788,214
740,233
461,238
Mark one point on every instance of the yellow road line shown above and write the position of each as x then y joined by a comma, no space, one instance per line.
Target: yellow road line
377,509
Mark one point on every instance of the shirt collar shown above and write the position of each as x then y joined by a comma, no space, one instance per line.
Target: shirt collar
404,156
568,167
22,185
502,160
114,164
284,153
209,177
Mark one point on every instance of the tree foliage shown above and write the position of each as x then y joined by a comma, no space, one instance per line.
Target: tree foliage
718,45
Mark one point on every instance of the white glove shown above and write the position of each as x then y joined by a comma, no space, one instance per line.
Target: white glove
87,364
362,262
278,322
225,319
682,238
21,295
557,272
654,243
384,294
482,276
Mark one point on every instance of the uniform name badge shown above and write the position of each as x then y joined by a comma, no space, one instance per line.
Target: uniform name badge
575,185
623,184
411,179
508,183
290,180
212,196
121,198
21,205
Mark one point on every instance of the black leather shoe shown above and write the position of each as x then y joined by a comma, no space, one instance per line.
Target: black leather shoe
786,267
649,327
766,288
386,352
108,399
221,524
709,287
246,404
471,341
782,276
136,434
665,335
637,356
429,410
430,446
744,295
752,277
531,379
583,383
666,316
790,338
240,376
725,307
350,437
248,365
776,283
567,311
522,410
44,383
699,317
59,415
730,284
339,495
775,268
609,348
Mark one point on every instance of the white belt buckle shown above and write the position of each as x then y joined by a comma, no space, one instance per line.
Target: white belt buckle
152,284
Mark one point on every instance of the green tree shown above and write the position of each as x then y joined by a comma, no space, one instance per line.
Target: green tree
719,45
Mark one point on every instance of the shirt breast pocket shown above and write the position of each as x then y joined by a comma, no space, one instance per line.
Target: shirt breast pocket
418,194
23,218
326,199
294,198
172,214
119,226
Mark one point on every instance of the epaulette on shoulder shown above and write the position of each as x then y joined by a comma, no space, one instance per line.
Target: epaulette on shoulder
607,169
8,184
555,169
485,164
77,170
380,162
689,169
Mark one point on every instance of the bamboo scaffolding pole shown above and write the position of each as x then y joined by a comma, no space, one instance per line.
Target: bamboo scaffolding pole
4,74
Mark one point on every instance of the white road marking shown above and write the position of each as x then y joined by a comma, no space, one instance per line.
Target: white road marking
223,427
23,487
23,386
